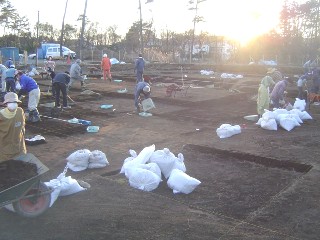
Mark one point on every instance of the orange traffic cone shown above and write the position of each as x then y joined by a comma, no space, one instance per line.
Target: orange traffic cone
68,59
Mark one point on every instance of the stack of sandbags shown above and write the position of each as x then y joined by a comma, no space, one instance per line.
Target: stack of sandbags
82,159
145,172
287,119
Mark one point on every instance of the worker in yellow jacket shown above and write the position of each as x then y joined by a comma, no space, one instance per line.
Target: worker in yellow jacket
12,128
263,101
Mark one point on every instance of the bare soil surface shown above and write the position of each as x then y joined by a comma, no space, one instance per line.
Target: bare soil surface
14,172
258,184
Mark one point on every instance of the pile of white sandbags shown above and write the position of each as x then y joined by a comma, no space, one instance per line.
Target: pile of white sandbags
82,159
144,171
287,119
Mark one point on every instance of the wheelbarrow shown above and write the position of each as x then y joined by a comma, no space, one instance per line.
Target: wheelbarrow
31,197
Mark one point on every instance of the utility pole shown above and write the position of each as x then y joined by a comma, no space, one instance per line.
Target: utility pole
141,35
82,29
62,28
38,43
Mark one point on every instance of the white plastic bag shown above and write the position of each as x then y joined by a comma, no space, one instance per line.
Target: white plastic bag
128,159
269,124
227,130
300,104
79,160
97,159
145,154
181,182
143,179
153,167
288,122
179,163
165,160
63,186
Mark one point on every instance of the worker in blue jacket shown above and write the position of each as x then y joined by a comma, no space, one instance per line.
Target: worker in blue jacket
142,88
139,68
10,79
29,86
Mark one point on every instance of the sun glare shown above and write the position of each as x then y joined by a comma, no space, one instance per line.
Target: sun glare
241,20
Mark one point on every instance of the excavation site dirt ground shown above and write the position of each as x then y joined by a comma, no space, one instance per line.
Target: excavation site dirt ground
258,184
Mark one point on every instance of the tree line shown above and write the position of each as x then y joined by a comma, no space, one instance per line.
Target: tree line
293,42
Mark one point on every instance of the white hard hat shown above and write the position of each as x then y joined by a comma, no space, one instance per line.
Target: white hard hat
146,89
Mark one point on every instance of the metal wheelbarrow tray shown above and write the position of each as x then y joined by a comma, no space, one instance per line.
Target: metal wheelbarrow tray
31,197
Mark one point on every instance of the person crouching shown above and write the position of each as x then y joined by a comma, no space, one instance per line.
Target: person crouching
12,125
142,88
60,83
29,86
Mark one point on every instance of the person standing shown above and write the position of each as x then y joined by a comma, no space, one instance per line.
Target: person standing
105,67
263,100
275,74
76,74
3,70
278,92
29,86
50,64
142,88
8,63
12,128
139,68
301,84
60,83
10,79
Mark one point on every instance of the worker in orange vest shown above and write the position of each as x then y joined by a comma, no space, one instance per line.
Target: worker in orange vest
105,67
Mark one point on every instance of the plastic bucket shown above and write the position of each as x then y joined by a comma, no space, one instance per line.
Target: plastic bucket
147,104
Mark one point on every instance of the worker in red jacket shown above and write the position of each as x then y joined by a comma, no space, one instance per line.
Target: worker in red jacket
105,67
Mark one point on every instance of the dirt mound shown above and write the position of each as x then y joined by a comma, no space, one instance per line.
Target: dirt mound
13,172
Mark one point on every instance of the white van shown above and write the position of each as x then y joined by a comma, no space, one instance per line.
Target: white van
54,52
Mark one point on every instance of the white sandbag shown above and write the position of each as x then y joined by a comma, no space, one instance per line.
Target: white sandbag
63,186
268,115
296,116
179,163
75,167
259,121
98,159
153,167
296,111
300,104
305,116
288,123
145,154
164,159
143,179
69,185
133,156
269,124
280,111
79,158
55,184
128,165
279,116
227,130
181,182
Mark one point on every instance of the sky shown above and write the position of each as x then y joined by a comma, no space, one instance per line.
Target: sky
238,19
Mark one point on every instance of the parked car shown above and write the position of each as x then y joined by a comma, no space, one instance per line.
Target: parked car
32,56
54,52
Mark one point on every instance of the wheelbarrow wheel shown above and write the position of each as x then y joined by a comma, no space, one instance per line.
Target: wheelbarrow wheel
33,206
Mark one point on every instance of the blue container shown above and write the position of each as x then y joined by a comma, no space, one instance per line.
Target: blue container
85,122
10,52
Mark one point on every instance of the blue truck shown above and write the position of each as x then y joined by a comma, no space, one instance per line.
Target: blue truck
53,49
